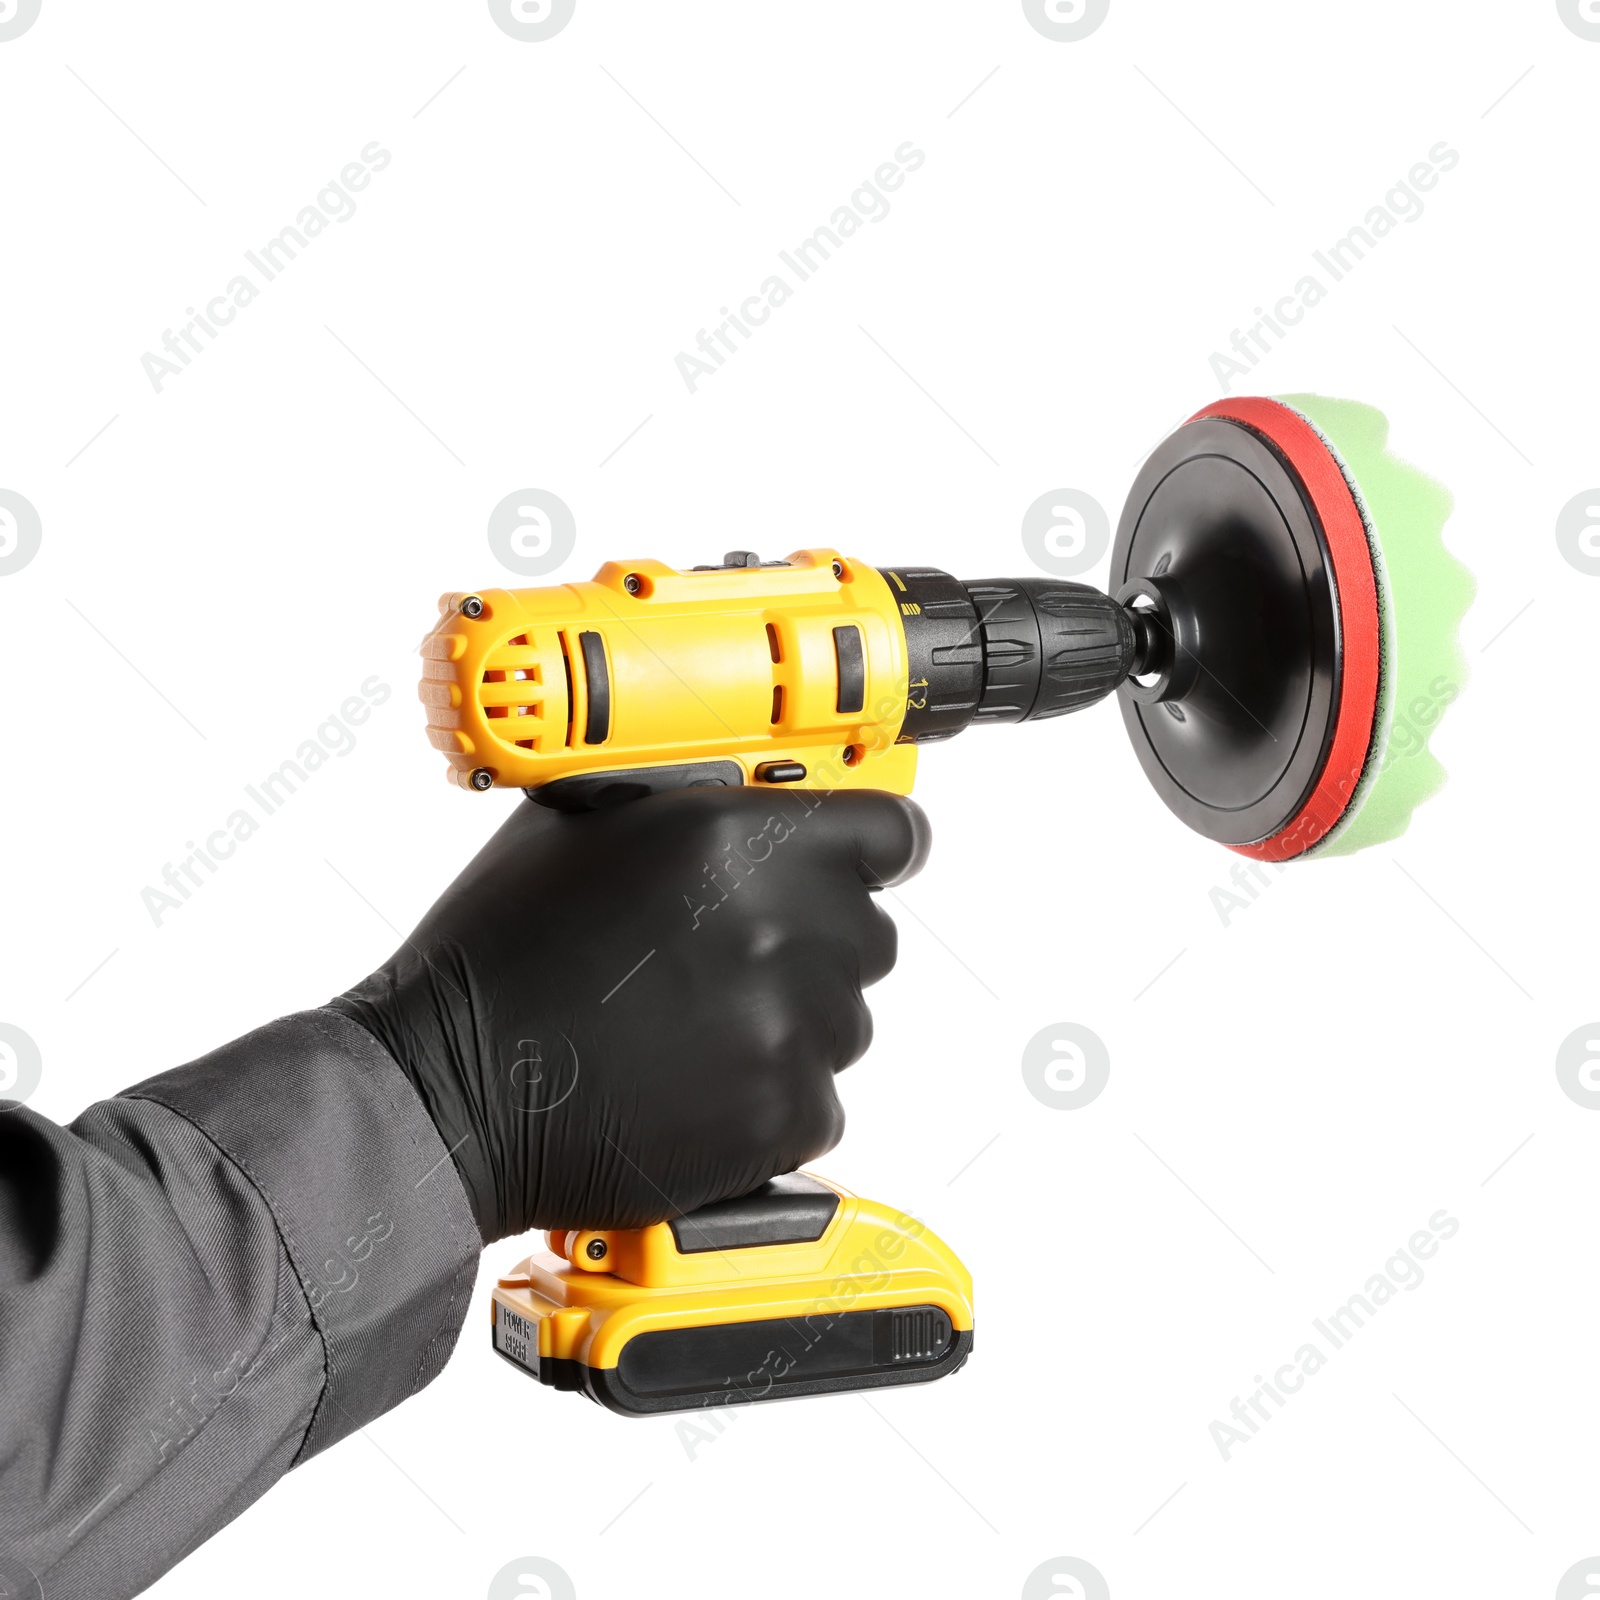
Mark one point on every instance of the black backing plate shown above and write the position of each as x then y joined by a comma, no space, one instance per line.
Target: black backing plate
1218,512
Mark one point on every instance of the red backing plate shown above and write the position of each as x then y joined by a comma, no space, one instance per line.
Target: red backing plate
1357,598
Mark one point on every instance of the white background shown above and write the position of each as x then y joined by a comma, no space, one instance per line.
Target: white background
1293,1097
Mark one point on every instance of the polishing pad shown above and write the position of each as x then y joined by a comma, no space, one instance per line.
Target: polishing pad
1298,573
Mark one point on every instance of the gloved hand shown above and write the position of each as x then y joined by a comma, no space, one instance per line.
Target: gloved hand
618,1016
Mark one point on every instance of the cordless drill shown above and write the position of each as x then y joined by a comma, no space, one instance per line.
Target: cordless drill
817,671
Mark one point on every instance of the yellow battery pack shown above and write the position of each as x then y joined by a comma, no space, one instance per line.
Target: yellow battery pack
800,1288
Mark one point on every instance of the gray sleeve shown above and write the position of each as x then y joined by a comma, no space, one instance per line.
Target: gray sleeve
204,1281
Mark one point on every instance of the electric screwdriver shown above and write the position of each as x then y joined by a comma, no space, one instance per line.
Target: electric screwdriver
818,671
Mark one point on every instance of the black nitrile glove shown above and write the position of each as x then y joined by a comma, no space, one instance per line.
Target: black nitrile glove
618,1016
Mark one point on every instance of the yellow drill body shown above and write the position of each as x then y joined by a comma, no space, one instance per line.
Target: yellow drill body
772,668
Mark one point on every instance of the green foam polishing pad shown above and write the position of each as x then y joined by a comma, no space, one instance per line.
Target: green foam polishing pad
1423,594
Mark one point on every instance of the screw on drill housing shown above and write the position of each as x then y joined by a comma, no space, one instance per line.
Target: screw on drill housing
596,1250
482,778
472,606
633,583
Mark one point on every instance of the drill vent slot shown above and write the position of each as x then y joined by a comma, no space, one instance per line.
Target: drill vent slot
566,667
597,724
510,692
